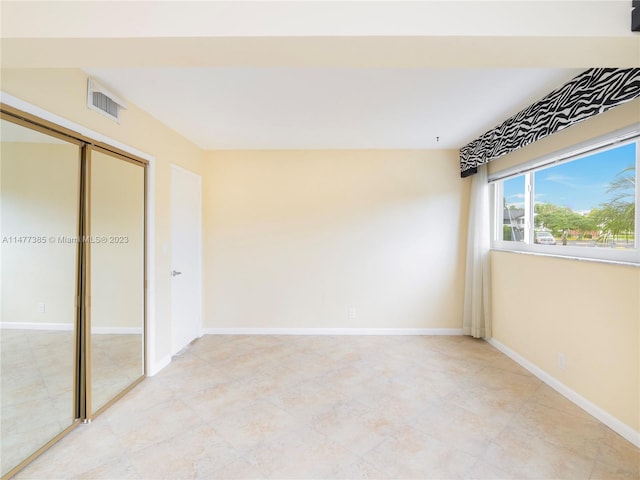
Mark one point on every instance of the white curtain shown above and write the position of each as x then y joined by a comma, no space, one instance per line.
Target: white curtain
477,294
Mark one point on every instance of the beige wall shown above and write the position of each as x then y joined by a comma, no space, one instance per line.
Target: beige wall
117,266
40,198
63,92
589,311
293,239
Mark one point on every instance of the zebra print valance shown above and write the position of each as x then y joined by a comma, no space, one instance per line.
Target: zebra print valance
590,93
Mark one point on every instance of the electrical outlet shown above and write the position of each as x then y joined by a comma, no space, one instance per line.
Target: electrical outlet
352,313
561,361
41,307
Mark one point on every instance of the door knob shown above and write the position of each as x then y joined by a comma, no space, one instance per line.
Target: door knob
174,273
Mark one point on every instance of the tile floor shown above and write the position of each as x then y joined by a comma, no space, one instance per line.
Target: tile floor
348,407
37,384
37,390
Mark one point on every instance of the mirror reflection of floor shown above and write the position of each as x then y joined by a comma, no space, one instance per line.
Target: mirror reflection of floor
116,362
37,383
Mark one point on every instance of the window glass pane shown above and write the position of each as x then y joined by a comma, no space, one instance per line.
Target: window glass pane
589,202
513,211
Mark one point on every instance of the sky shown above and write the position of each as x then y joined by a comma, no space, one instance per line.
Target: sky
580,185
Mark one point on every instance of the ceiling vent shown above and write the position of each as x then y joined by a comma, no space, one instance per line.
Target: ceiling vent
104,101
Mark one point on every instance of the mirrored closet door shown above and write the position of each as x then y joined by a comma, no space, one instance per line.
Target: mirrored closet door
39,218
116,278
72,256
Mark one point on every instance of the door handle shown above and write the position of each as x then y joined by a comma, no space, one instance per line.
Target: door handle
174,273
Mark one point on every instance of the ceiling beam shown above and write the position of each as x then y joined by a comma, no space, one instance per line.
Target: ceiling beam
369,52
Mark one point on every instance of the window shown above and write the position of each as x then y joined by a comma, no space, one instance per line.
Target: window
576,204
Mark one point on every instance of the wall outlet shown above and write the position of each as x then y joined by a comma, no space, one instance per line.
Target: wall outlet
352,313
41,307
561,361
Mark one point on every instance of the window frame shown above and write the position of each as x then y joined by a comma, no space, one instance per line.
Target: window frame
630,135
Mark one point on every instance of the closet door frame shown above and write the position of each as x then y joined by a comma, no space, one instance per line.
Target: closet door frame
87,412
82,330
7,115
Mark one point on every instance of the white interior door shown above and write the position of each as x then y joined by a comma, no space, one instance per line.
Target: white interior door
186,257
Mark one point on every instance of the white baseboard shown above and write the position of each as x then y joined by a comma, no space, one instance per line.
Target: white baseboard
605,417
154,368
35,326
332,331
69,327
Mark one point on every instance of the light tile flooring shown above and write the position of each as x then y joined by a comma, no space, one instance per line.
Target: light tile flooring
37,383
309,407
37,390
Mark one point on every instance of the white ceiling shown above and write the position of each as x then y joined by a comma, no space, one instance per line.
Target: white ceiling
331,108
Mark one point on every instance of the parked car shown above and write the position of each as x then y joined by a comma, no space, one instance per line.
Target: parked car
544,238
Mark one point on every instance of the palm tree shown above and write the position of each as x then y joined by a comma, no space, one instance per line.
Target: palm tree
618,214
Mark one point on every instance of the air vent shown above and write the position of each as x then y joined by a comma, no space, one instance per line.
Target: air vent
103,101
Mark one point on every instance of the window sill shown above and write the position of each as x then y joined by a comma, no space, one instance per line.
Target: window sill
623,263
